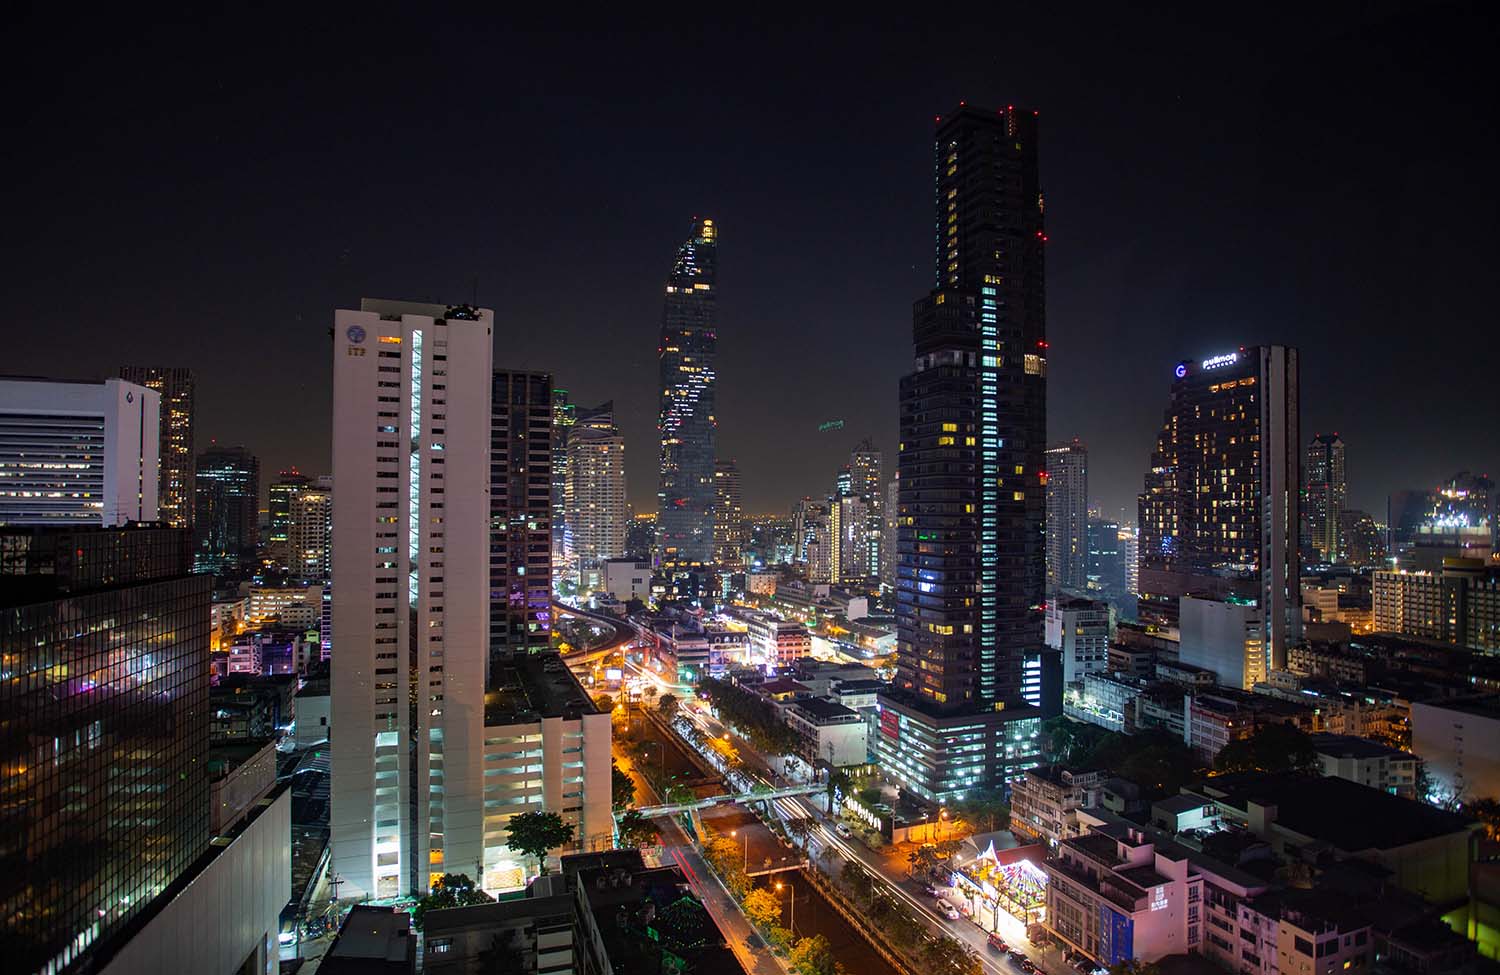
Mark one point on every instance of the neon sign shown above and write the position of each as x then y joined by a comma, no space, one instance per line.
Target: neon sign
1181,370
1229,358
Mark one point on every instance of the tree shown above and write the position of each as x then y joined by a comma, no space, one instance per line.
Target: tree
668,706
813,956
1134,966
988,811
650,691
1487,811
946,954
838,782
779,937
799,829
636,830
763,908
622,787
857,880
1275,747
451,890
534,833
922,858
604,703
947,848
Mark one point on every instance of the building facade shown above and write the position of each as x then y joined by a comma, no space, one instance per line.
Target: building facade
310,532
279,517
686,421
972,513
866,482
1325,494
563,414
1458,605
1067,517
1220,513
175,497
226,519
598,508
411,539
522,425
1226,637
1459,740
77,453
729,514
105,733
1079,629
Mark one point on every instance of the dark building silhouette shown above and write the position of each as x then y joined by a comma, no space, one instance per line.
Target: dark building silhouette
226,523
175,498
521,421
689,346
971,499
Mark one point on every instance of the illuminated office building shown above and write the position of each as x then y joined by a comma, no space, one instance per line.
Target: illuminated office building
866,484
226,522
310,531
729,514
563,415
175,495
1067,518
279,516
77,453
686,422
411,592
103,734
972,508
598,510
1220,513
1323,476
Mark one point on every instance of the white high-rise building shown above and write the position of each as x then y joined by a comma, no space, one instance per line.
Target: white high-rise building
78,453
1080,630
1226,637
411,448
1067,517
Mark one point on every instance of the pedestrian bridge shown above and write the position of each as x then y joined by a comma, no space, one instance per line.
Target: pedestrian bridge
694,805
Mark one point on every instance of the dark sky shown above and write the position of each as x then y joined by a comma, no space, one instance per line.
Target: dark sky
205,192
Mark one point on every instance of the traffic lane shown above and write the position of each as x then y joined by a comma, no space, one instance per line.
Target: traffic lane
733,924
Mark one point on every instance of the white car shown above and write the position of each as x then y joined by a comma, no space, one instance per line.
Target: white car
843,830
947,910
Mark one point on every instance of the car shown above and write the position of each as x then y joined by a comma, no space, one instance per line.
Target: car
1028,966
931,890
843,830
997,943
947,910
1015,956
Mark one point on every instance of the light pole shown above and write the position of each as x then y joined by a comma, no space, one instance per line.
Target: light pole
792,897
943,818
735,832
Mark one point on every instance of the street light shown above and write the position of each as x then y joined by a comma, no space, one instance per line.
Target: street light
735,832
792,897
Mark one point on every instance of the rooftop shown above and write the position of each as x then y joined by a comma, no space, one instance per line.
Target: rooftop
1351,746
823,709
531,687
1344,814
1486,706
373,940
784,685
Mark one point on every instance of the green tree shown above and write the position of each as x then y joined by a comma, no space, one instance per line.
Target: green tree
923,858
1134,966
945,849
838,783
762,908
604,703
987,810
813,956
1275,747
534,833
1487,811
451,890
780,937
799,829
668,706
650,691
622,787
636,830
857,881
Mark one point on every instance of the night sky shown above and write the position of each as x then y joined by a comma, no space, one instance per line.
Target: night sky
205,193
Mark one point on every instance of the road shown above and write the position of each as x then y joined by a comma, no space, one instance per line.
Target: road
1050,961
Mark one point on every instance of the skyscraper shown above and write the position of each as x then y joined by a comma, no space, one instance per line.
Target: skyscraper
1325,494
972,509
563,414
867,484
687,424
729,514
279,521
523,431
1219,516
411,592
175,497
888,537
104,736
77,453
598,509
1067,517
226,520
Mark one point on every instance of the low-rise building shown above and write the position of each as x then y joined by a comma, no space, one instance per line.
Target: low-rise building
372,941
1044,801
1106,699
829,732
1459,739
1303,932
1368,763
1459,605
1216,719
780,642
1079,629
626,579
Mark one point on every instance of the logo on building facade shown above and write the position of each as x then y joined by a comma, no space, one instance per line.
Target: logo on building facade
356,334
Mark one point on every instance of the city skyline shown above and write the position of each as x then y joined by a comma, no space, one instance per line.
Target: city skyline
1170,186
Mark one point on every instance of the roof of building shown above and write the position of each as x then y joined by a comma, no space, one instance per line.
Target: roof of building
784,685
859,686
1484,706
1352,746
495,915
1343,814
1179,803
372,941
823,709
531,687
